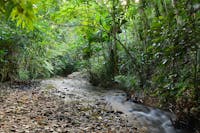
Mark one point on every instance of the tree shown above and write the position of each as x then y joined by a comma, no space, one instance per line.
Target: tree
21,11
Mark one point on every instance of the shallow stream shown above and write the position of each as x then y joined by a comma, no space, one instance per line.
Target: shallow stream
77,88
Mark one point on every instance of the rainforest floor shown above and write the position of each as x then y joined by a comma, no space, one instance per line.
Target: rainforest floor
30,109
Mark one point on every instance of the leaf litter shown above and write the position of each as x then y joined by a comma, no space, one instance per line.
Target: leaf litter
36,111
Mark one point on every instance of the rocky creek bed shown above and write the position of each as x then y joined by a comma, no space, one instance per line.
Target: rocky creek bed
72,104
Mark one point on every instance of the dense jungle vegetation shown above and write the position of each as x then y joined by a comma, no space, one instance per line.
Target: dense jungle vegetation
151,46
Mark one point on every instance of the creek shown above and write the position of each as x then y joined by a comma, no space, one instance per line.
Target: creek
76,87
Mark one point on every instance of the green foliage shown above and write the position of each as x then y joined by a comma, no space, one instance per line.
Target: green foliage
21,11
152,45
32,54
127,81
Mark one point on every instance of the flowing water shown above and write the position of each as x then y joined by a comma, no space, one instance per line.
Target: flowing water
77,88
